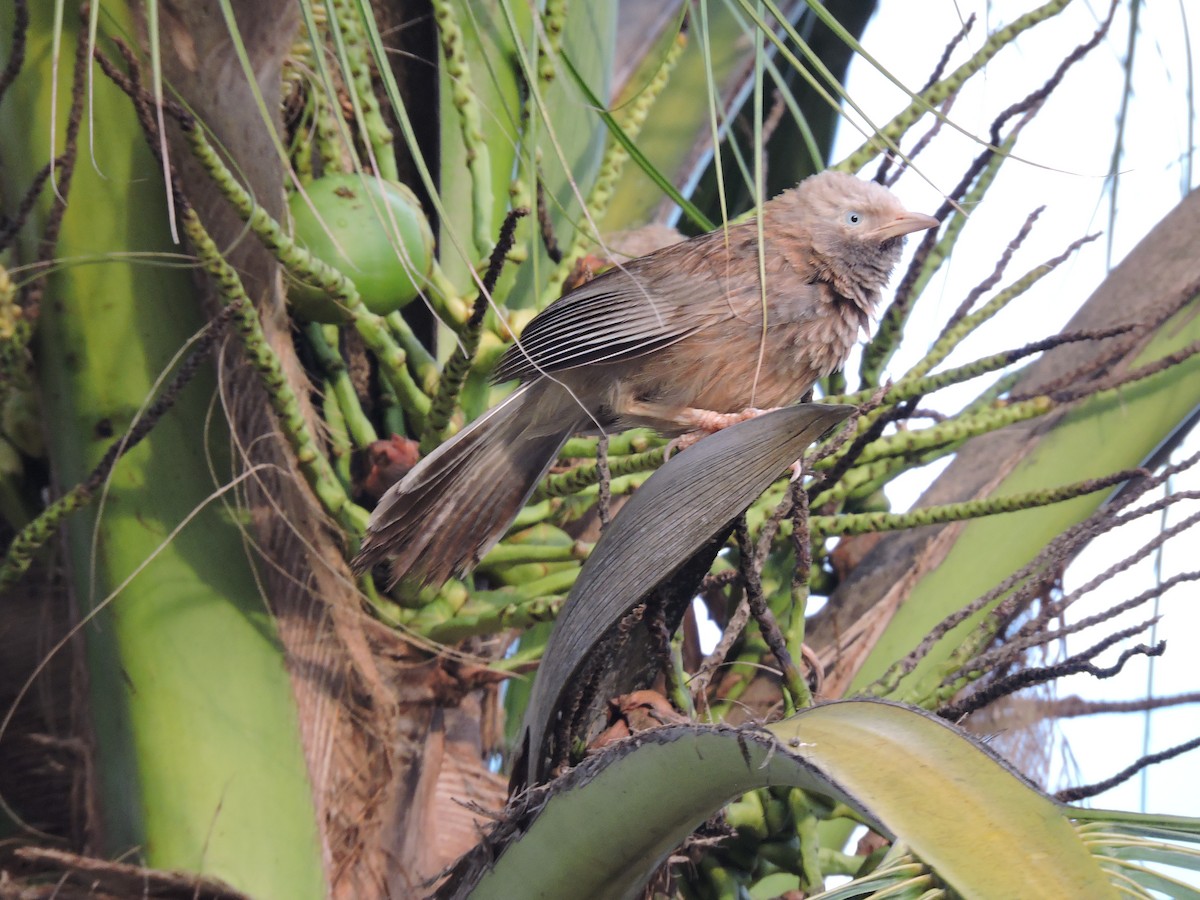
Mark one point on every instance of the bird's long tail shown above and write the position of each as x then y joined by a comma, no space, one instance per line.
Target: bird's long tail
453,507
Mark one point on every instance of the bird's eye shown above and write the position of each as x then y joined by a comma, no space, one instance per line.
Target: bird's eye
853,218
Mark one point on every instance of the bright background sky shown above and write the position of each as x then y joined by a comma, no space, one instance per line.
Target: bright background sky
1069,149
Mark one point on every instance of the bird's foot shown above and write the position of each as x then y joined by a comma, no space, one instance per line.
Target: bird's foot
710,421
707,421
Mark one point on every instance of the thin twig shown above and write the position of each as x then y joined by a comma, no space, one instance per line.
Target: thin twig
714,660
1079,664
455,371
1091,790
29,540
16,53
546,226
761,611
15,222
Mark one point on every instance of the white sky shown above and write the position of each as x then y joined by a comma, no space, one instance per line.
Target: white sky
1069,147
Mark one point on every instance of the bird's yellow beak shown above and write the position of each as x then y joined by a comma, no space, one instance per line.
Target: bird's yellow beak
905,223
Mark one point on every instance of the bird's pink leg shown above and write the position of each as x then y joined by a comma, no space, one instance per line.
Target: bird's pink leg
710,421
707,421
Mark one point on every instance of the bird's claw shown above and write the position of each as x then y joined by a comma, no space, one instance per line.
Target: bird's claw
681,443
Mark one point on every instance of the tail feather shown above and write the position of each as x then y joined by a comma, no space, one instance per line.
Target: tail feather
456,503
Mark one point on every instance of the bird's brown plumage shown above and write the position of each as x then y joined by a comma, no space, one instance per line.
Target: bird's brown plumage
664,341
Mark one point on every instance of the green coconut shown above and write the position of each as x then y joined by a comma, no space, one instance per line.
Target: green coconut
372,231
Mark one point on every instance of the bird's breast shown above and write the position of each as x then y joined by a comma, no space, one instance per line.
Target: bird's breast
820,345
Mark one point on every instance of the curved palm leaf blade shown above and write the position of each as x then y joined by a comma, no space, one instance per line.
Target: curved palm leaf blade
603,828
960,808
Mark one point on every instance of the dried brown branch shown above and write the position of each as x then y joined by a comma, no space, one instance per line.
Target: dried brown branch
1098,366
1081,663
1013,648
1082,793
714,660
14,223
16,53
1025,585
860,442
546,226
85,876
751,572
1056,608
199,354
1074,707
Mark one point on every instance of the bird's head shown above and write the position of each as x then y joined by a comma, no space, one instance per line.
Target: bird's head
856,229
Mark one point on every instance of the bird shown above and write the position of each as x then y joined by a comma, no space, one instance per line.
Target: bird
674,340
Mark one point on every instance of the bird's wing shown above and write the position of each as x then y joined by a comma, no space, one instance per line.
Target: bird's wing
643,306
610,318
